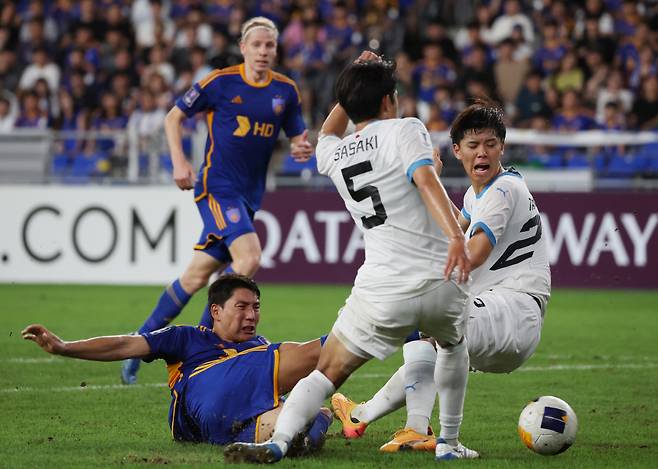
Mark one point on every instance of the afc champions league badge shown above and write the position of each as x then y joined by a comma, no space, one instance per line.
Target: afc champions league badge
278,104
233,214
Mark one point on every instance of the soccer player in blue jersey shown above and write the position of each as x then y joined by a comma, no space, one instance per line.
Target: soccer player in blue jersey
245,107
226,382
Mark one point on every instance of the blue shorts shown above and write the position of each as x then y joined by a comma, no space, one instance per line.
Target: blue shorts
224,220
220,401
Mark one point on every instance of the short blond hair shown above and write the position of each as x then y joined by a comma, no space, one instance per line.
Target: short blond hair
258,22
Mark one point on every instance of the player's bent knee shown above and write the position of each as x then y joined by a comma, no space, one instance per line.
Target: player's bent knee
193,281
247,265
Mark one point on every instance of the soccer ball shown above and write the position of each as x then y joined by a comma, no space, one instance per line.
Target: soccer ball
548,425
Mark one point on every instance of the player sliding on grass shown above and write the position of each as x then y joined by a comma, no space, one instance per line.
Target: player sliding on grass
245,107
511,282
384,173
226,382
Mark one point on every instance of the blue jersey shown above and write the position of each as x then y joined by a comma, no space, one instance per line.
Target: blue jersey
218,388
244,119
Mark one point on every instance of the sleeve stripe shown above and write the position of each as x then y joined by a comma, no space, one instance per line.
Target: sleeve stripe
415,165
487,231
466,214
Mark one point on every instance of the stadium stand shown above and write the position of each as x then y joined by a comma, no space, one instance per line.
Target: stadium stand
115,67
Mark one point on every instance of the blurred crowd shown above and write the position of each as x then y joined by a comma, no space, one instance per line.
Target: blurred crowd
117,64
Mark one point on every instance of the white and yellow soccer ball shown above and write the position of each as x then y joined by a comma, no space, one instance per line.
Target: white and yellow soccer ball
548,425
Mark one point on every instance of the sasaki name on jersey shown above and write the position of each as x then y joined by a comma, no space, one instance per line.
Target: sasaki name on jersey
352,148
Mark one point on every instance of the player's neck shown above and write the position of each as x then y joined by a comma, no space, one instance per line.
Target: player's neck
256,77
361,125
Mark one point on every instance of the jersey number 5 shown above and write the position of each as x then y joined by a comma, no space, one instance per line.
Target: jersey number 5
505,261
364,193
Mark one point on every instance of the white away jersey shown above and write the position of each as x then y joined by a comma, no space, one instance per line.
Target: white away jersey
372,169
506,212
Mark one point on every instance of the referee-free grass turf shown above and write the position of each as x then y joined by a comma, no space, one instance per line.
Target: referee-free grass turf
599,352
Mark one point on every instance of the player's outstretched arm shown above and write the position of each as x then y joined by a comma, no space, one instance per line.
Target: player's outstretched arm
109,348
440,208
183,173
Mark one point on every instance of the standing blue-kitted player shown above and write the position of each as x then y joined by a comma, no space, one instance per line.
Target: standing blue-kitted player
245,107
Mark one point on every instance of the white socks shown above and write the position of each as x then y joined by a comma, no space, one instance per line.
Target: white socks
419,386
389,398
302,405
451,376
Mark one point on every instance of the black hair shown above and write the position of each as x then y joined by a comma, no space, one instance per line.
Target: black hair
482,114
361,86
222,288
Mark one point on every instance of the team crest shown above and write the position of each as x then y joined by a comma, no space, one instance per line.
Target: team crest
278,105
191,96
233,214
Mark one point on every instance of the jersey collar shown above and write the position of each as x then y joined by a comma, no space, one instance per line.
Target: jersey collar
243,74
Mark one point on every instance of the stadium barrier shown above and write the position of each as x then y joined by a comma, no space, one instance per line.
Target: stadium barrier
124,235
586,160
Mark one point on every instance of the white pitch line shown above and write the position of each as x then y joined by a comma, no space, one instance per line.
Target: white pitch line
102,387
91,387
547,368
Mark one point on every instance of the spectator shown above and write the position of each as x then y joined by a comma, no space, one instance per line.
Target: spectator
591,38
614,91
509,73
547,57
569,75
200,68
42,67
531,101
47,101
30,115
596,74
157,63
644,115
221,52
513,16
433,71
572,116
9,71
7,113
613,118
477,68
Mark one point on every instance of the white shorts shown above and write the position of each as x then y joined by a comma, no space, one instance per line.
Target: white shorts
377,329
503,330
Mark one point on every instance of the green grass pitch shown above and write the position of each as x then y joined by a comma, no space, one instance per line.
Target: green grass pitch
599,352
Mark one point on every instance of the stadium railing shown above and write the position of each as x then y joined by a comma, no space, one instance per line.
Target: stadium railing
550,161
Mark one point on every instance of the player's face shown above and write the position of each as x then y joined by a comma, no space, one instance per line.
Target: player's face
236,321
480,153
259,50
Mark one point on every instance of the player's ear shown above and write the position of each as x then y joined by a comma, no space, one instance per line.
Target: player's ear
456,151
214,311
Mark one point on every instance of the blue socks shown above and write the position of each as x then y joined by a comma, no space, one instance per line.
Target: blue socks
170,304
318,431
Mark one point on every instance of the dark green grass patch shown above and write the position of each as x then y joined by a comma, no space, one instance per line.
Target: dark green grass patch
598,352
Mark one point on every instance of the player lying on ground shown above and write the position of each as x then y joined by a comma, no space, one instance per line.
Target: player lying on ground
384,173
511,284
226,382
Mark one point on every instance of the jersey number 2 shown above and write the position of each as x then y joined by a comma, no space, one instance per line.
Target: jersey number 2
505,261
364,193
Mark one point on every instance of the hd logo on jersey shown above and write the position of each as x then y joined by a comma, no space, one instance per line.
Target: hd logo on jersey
263,129
278,104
